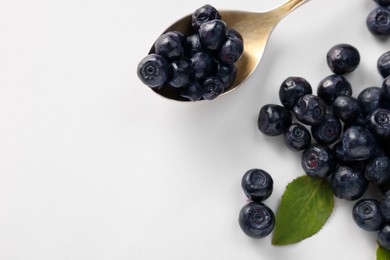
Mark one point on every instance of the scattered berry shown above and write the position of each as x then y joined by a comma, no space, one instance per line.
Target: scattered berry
292,89
343,58
328,130
256,220
257,184
366,215
383,64
297,137
378,21
348,183
333,86
318,161
273,119
309,109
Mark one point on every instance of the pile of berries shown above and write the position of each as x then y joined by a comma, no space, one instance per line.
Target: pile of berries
378,20
342,138
196,66
256,219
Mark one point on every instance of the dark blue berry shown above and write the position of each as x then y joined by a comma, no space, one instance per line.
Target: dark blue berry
154,70
378,21
318,161
193,45
343,58
346,108
212,34
379,123
256,220
170,45
385,93
204,14
227,73
383,64
384,237
383,2
369,99
384,206
367,216
203,65
378,170
333,86
231,50
231,32
273,119
297,137
342,158
212,87
257,184
328,130
348,183
358,143
182,73
292,89
309,109
192,91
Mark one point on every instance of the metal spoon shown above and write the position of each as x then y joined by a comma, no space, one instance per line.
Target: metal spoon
255,28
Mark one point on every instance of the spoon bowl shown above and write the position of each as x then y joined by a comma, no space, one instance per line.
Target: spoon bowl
255,29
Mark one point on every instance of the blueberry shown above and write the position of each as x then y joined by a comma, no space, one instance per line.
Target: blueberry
193,45
346,108
367,216
293,88
256,220
348,183
383,2
318,161
212,34
231,50
204,14
369,99
273,119
378,170
203,65
358,143
297,137
170,45
212,87
309,109
227,73
383,64
153,70
385,93
231,32
333,86
384,206
384,237
182,73
328,130
343,58
257,184
378,21
341,158
192,91
379,122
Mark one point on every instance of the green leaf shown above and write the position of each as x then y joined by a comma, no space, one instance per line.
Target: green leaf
306,205
382,253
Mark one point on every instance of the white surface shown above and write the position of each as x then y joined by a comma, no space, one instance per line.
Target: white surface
94,165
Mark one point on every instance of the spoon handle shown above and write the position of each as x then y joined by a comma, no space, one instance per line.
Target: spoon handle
284,9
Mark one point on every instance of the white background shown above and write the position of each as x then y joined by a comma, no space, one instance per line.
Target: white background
94,165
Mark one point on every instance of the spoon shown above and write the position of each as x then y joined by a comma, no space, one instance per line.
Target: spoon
255,29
